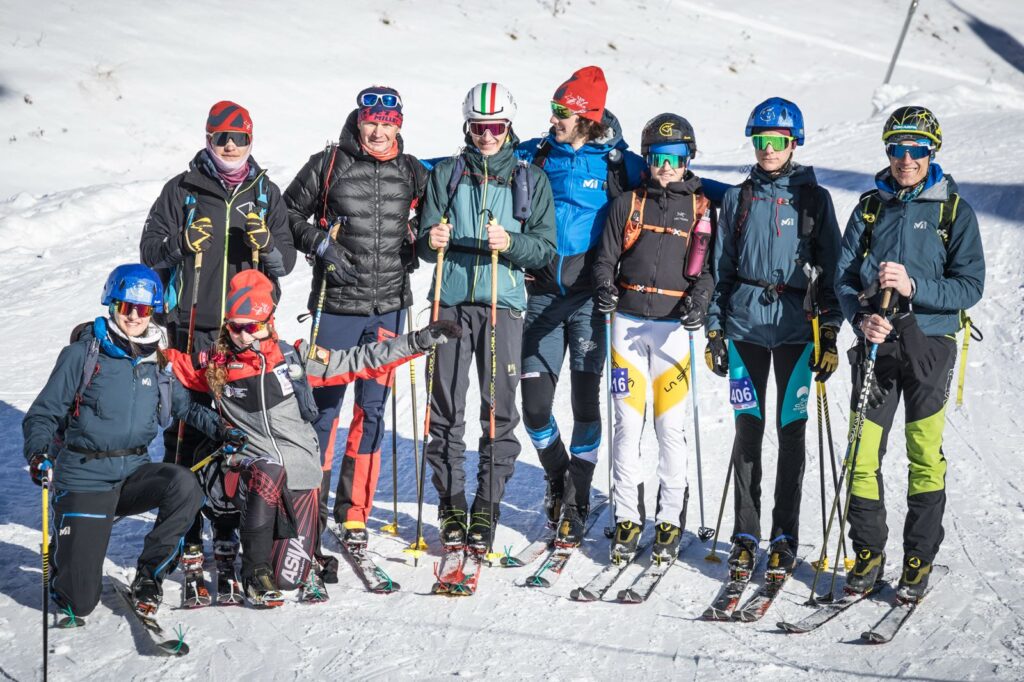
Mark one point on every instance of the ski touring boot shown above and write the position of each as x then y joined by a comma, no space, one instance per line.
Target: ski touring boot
480,532
742,556
867,570
552,502
453,527
625,541
194,594
573,525
782,558
146,595
354,536
260,590
229,589
666,542
914,580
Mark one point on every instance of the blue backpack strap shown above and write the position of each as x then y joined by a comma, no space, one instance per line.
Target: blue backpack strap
524,183
163,384
453,183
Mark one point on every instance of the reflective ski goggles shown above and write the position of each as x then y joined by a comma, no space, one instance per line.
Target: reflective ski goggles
657,160
247,327
776,142
917,152
495,128
125,308
221,139
389,100
561,111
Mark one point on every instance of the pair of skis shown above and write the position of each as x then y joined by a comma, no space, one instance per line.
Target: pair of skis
881,632
726,605
458,572
558,557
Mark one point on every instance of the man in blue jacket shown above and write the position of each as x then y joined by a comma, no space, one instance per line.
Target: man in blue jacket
914,235
587,162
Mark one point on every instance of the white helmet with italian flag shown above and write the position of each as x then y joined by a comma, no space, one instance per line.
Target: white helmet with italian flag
489,101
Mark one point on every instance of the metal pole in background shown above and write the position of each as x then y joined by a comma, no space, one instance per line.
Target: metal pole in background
899,43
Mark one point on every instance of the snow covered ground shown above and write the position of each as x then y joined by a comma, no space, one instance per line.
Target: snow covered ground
101,102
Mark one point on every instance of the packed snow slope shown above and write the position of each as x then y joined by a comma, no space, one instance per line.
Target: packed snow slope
102,102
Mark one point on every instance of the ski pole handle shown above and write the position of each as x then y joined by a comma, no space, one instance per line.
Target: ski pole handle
438,269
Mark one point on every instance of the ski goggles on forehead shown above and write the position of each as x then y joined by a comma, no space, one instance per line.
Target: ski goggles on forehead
561,111
776,142
916,151
125,308
221,139
481,128
389,100
247,327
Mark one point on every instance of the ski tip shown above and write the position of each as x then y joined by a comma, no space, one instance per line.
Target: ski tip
511,562
537,581
386,588
67,623
579,594
872,637
791,628
628,596
173,647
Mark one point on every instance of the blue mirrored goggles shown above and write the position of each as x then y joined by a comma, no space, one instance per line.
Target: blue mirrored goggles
370,99
916,151
677,155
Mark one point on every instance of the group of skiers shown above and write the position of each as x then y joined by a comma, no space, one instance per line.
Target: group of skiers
566,243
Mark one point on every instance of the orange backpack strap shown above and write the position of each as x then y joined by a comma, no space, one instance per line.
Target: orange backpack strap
635,221
701,205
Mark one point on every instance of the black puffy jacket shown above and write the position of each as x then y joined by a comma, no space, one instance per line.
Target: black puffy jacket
657,260
161,244
378,203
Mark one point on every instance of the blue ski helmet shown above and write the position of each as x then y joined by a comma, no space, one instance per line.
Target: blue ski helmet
134,283
776,112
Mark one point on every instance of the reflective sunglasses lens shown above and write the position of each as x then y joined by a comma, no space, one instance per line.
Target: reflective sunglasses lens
777,142
247,327
390,101
658,160
370,99
560,111
126,308
221,139
496,129
917,152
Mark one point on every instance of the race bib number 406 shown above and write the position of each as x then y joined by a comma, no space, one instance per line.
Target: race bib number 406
620,380
741,393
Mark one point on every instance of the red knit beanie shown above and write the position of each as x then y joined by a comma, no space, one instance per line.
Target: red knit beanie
228,117
584,93
250,295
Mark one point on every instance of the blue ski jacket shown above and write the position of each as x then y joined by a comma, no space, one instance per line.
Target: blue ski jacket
947,278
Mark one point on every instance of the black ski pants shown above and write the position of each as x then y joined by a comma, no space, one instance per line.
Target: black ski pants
82,523
922,378
446,450
792,378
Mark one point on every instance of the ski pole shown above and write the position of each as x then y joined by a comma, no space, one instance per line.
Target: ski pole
419,545
847,561
332,234
45,485
713,554
392,528
849,462
189,340
703,533
491,556
609,531
816,333
415,418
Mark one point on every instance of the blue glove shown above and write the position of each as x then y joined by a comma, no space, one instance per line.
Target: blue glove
233,439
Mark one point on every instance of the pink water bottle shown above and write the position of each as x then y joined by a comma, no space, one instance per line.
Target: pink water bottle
700,242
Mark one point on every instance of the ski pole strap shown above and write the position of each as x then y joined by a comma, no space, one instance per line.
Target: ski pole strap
968,333
644,289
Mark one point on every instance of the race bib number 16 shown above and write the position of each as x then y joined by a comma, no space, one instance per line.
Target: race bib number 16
620,380
741,393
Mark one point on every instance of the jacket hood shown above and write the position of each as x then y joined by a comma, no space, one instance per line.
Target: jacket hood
690,184
611,140
348,140
202,167
502,162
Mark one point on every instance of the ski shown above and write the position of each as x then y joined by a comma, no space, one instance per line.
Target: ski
458,572
229,590
603,581
826,611
759,602
729,596
194,594
551,570
538,548
373,576
171,647
644,584
884,630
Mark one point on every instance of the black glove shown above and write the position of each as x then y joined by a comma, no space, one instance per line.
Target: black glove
339,266
39,467
256,232
716,355
436,333
232,438
606,297
695,312
197,236
828,355
877,391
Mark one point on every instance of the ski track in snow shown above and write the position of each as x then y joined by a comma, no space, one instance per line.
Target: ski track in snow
65,224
